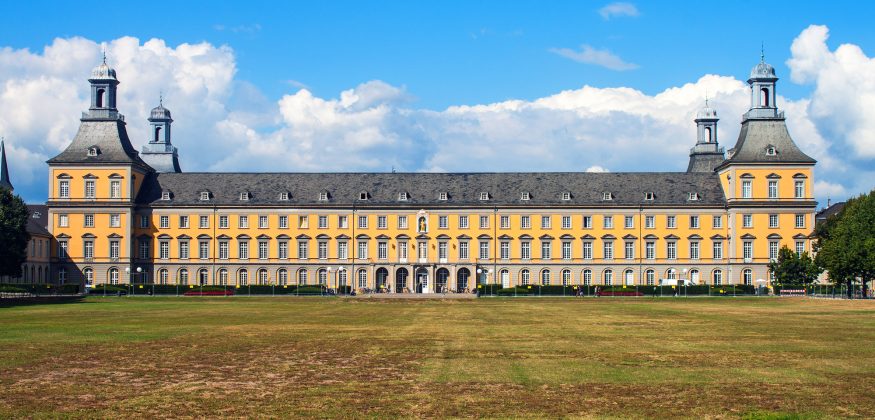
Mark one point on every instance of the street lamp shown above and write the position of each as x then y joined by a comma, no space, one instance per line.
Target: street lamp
684,279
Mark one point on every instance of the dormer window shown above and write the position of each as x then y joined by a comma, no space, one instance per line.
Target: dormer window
607,196
36,215
402,196
694,196
93,151
566,196
205,196
525,196
648,196
323,196
284,196
165,195
244,196
442,196
484,196
771,151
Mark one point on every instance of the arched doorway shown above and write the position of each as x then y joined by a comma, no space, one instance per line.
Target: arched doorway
401,280
422,280
382,276
443,276
505,278
462,279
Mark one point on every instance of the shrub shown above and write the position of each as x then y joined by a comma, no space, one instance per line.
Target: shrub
513,291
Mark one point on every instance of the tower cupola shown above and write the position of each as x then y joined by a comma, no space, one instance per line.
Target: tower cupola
762,83
706,154
104,86
159,153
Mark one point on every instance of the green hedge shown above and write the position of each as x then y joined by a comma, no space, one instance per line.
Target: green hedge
513,291
173,290
556,290
45,289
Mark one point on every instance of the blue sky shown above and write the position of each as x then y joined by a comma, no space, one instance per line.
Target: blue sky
421,58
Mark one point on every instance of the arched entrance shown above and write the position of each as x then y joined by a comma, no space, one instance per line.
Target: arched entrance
382,276
422,280
401,280
462,279
443,276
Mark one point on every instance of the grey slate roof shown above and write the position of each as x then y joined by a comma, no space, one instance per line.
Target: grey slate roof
757,135
828,212
37,222
463,189
108,135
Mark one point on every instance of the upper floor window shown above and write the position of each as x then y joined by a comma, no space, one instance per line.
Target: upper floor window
402,222
505,222
799,189
89,188
262,222
64,189
205,196
670,222
402,196
649,222
165,195
771,151
694,222
525,222
607,196
442,196
243,222
363,195
608,222
628,222
773,189
746,189
484,196
546,222
463,222
717,222
244,196
115,189
284,196
93,151
694,196
566,196
323,196
525,196
648,196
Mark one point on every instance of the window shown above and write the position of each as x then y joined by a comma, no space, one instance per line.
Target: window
650,277
303,251
283,250
524,277
263,250
566,250
718,251
402,251
244,196
243,250
165,196
381,222
799,189
243,277
587,250
463,222
183,250
545,222
144,221
671,250
323,196
649,222
183,222
545,277
505,222
484,196
745,189
505,250
566,196
243,222
525,250
648,196
717,222
62,250
770,151
89,220
282,276
607,196
800,221
205,196
363,279
608,222
113,275
322,275
443,222
113,250
144,249
204,222
566,222
566,277
304,222
747,275
546,250
463,250
223,222
717,277
402,222
63,220
670,222
363,195
773,220
747,250
423,250
262,222
382,250
694,250
587,277
115,189
402,196
628,222
164,250
64,189
89,276
525,222
587,222
204,250
89,188
694,196
223,250
442,196
363,222
323,250
608,250
484,250
747,220
694,222
342,250
362,250
800,247
650,250
164,222
773,189
629,250
322,222
773,250
525,196
343,222
484,222
609,277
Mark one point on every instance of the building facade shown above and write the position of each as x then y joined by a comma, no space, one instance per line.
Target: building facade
116,218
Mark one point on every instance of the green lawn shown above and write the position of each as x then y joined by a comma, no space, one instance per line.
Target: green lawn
331,357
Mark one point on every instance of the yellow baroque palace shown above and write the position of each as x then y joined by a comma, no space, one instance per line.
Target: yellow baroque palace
119,216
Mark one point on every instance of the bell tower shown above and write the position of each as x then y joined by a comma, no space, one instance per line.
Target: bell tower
706,154
762,83
104,86
158,152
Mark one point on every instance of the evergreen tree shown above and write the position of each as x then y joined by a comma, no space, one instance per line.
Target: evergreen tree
846,243
13,233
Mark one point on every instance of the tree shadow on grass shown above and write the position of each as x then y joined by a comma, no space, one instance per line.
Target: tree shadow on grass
8,302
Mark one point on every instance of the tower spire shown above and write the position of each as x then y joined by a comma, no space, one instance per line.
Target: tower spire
762,52
4,170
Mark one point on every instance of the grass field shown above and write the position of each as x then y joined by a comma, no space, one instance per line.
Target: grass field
331,357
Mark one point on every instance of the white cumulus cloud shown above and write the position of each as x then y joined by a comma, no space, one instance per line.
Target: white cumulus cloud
618,9
590,55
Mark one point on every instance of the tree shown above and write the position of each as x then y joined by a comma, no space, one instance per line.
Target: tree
13,233
793,268
846,243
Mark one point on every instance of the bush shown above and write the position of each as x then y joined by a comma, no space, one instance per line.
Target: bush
108,289
513,291
12,289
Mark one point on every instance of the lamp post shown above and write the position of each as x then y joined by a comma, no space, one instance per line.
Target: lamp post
684,279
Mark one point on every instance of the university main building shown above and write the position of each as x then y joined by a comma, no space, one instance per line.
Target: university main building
118,216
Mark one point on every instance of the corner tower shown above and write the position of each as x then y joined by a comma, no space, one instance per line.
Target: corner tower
158,152
706,155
